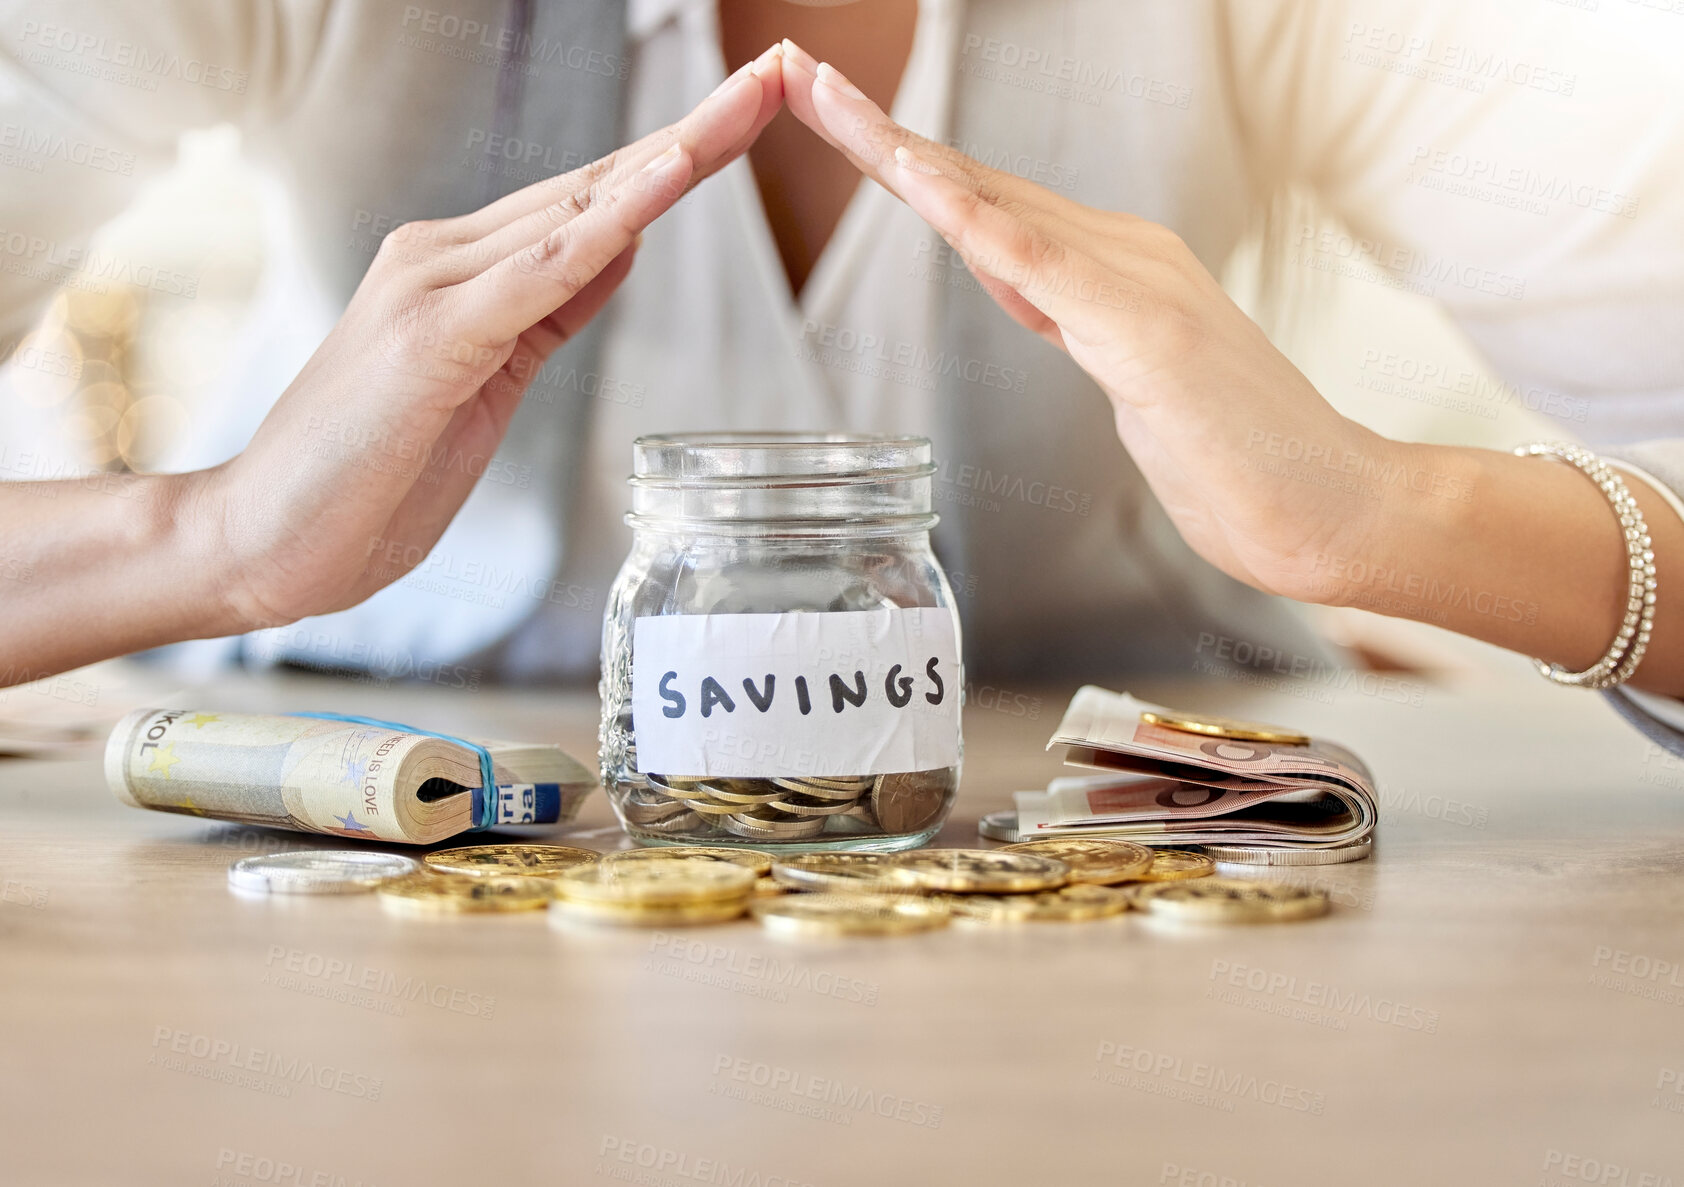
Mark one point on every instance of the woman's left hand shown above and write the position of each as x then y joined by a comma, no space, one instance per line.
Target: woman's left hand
1250,462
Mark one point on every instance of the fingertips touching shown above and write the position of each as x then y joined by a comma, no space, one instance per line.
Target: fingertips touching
849,119
833,78
800,59
723,125
800,71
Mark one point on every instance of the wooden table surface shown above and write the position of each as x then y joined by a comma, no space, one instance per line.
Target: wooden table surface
1497,998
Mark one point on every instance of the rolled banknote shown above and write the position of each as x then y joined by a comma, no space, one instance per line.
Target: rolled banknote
370,782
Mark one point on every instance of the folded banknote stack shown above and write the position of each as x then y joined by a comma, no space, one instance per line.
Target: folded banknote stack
1232,788
371,781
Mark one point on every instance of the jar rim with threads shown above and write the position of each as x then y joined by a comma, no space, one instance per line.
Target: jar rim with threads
781,650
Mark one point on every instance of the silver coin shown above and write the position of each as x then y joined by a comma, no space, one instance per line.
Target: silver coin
861,783
797,807
1242,855
739,791
784,828
668,783
318,871
684,822
710,808
999,826
821,791
856,822
643,807
678,791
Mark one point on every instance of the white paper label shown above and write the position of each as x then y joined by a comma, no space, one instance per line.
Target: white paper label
863,692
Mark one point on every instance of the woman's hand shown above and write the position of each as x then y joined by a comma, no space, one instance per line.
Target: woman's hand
1259,473
374,446
383,433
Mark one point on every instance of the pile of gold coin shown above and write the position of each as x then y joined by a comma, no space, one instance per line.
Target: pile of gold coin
839,893
678,892
482,879
794,809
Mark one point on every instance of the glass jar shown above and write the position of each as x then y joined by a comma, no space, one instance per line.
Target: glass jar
780,652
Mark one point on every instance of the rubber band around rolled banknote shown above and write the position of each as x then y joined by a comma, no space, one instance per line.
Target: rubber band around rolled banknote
485,806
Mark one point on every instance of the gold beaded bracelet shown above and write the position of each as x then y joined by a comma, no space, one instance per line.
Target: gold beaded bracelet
1632,640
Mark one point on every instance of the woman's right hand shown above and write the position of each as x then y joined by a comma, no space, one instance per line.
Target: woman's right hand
382,434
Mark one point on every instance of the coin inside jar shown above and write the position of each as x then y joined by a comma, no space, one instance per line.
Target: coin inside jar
814,790
979,871
1091,860
905,803
745,792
